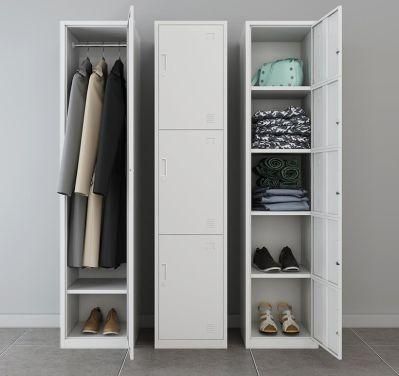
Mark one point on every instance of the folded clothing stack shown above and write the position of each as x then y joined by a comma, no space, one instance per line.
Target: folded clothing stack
280,199
286,129
279,184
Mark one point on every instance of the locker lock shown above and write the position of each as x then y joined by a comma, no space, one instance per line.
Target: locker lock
337,263
337,52
337,193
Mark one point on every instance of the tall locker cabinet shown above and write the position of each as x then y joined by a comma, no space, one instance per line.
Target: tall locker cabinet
315,236
190,184
83,289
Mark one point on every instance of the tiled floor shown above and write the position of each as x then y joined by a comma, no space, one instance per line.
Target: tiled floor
35,352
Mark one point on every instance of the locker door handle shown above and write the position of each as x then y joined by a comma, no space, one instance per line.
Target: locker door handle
165,270
164,63
164,167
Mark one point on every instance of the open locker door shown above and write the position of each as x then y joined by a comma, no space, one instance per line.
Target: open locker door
132,110
327,181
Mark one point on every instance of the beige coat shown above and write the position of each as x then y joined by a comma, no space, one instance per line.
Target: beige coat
91,250
91,128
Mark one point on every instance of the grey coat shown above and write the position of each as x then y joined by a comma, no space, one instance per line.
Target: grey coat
73,133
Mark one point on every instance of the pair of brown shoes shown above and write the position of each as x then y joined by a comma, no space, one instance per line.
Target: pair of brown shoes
93,323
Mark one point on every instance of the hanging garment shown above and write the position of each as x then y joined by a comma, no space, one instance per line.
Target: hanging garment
73,132
93,230
76,233
280,171
110,176
91,128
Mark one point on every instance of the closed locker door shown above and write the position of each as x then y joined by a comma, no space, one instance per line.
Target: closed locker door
191,76
190,182
190,285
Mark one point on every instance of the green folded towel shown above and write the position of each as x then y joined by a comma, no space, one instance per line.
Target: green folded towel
279,172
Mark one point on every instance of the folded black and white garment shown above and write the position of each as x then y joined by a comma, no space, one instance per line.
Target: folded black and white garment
286,141
288,113
298,125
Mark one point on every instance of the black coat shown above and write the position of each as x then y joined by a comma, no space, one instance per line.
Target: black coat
110,173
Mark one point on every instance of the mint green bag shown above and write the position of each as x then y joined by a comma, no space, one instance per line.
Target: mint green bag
287,72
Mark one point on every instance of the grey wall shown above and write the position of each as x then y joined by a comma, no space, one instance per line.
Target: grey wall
29,149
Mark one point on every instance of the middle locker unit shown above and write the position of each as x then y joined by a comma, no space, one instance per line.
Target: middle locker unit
190,184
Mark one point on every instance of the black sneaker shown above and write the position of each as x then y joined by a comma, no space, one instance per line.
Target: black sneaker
288,261
264,261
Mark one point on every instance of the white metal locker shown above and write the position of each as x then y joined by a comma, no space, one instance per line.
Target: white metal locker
191,63
190,287
83,289
190,185
317,301
190,182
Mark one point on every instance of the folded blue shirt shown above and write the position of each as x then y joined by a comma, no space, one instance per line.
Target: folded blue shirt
278,199
284,206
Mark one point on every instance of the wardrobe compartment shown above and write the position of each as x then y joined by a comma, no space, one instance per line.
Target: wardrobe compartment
277,231
83,289
270,43
79,308
295,292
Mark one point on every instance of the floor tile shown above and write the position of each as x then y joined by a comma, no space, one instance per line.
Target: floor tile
379,336
149,362
40,337
390,354
358,360
52,361
349,338
8,336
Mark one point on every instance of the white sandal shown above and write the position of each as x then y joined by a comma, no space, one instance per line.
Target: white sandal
267,324
287,319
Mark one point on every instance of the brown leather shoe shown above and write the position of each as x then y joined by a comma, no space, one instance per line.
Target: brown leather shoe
92,324
112,325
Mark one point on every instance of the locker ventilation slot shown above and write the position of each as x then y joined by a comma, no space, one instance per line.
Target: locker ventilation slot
211,223
211,328
211,118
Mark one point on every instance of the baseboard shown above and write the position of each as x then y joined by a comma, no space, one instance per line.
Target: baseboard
370,321
29,321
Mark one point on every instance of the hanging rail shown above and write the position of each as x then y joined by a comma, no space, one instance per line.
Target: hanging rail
99,44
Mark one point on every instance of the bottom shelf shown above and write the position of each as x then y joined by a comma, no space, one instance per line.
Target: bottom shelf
77,339
281,340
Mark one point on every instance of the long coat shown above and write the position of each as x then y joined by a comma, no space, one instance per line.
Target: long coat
73,132
110,173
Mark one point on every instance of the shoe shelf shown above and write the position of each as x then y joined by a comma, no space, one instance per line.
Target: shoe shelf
280,340
302,273
271,213
279,92
98,286
77,339
281,151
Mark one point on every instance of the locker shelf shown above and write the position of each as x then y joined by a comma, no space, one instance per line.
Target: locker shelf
77,339
281,151
279,92
281,340
98,286
303,273
269,213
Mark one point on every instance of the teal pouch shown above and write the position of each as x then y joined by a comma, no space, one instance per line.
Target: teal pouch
287,72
